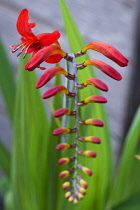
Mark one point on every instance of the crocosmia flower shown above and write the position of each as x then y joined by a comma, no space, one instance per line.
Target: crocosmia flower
31,43
46,48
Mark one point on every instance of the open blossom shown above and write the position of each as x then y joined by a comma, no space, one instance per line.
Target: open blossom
31,43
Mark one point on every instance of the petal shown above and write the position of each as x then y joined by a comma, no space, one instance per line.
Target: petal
47,39
110,71
109,51
23,27
42,55
54,91
54,58
49,74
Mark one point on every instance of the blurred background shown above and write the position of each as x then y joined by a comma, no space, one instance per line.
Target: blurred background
116,22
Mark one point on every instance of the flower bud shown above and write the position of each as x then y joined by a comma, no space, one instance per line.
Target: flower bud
66,173
81,189
49,74
67,184
110,71
96,83
94,122
65,161
107,50
54,91
87,153
65,146
61,131
63,111
85,170
91,139
93,99
82,182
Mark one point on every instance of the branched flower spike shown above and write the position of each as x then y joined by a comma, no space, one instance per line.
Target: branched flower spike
45,48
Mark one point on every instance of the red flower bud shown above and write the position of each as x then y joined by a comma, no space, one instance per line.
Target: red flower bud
94,122
63,111
82,182
84,169
66,173
96,83
93,99
91,139
61,131
54,91
49,74
109,51
65,146
110,71
87,153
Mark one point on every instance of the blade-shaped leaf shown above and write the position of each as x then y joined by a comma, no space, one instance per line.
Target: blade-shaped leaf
127,183
7,82
5,162
30,144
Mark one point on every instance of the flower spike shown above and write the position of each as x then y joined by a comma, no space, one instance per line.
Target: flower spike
107,50
46,48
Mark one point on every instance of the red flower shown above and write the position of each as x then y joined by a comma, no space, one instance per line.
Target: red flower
31,43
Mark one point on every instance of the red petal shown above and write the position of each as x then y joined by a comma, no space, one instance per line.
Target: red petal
110,71
23,27
42,55
47,39
109,51
54,58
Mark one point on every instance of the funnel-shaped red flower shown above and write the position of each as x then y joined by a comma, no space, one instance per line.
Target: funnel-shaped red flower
30,41
107,50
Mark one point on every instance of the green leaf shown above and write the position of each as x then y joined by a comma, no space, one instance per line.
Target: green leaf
7,82
132,203
127,183
5,162
101,182
30,145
